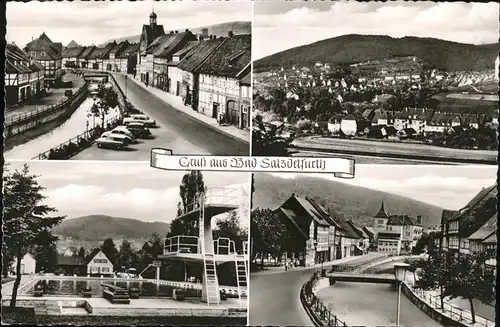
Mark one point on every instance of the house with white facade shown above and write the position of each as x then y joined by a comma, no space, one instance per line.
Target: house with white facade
415,118
100,265
28,265
48,54
395,233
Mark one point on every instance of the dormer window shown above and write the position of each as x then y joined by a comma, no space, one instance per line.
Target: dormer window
42,53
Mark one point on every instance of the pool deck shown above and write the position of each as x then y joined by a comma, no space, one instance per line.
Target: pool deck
97,306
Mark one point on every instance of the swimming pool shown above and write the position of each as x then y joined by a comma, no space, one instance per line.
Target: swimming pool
67,287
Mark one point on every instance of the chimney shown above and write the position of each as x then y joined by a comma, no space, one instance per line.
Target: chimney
187,30
419,219
176,32
230,34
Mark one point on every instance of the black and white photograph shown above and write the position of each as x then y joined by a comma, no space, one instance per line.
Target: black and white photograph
398,245
107,243
397,82
109,80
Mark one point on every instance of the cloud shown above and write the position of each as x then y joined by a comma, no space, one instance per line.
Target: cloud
98,21
295,24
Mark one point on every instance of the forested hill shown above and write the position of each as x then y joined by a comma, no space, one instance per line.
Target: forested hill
100,227
347,49
350,202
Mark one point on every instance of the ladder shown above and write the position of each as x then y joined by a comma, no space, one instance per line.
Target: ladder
241,274
211,281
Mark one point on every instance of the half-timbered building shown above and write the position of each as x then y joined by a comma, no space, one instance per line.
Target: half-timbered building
24,77
48,54
148,35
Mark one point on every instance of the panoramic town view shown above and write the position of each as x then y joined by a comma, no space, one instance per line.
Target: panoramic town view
402,82
172,74
408,246
82,246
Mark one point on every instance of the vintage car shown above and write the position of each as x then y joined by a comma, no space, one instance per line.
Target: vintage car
116,141
139,130
122,130
140,118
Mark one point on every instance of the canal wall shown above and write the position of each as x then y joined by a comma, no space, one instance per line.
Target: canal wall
429,310
35,118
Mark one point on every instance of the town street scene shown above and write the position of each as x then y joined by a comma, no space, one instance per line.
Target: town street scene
93,243
396,82
92,86
398,245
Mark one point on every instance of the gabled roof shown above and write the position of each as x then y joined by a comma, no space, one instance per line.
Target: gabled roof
119,47
45,48
419,113
70,261
480,234
198,54
381,212
358,229
447,215
402,220
85,54
246,79
346,228
165,46
153,33
311,210
479,211
101,53
130,50
17,62
491,238
229,59
185,50
292,217
369,231
72,52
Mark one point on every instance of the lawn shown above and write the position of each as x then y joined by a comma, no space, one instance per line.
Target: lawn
26,316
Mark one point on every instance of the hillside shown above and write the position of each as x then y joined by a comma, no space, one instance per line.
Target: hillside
221,29
347,49
96,228
347,201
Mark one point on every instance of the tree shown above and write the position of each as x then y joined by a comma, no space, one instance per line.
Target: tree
229,227
267,139
25,217
45,251
470,280
271,231
434,274
191,188
414,265
107,98
82,252
126,256
109,249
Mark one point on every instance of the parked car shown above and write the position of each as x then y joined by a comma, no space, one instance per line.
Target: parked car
123,131
139,130
148,122
112,141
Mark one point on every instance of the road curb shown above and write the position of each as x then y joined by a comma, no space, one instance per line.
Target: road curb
199,120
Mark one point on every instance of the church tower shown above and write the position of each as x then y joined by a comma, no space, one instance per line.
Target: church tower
152,20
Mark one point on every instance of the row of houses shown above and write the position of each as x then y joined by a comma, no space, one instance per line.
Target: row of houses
472,229
113,57
70,265
211,74
24,77
379,123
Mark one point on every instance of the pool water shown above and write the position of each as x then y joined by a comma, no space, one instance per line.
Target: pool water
77,287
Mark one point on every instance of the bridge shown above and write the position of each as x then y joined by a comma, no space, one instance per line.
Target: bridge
361,278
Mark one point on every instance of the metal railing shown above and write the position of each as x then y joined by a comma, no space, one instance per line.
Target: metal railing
224,245
42,110
358,266
214,196
182,244
453,312
78,143
317,308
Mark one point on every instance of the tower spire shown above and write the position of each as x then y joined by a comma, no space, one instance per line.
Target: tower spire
381,212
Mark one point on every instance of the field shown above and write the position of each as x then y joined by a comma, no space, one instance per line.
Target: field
410,151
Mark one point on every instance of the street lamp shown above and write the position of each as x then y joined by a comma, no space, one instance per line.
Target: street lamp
93,94
399,272
315,254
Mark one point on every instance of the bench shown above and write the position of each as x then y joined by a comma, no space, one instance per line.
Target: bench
115,294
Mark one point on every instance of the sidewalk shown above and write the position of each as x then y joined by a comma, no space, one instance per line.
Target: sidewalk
281,269
451,310
176,102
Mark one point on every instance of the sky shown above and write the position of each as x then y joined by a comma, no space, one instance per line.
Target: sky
449,187
99,21
278,26
119,189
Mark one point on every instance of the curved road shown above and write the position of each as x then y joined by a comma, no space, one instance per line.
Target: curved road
274,299
179,125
